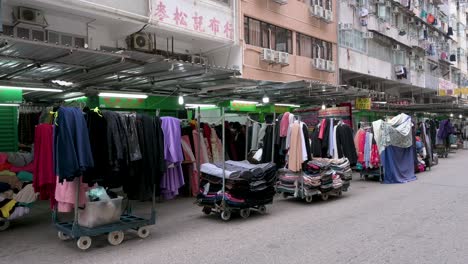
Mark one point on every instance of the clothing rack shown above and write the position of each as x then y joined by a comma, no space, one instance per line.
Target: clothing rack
224,209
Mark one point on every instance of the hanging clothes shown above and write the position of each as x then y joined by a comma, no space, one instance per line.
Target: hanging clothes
173,178
72,152
267,145
345,143
97,130
295,152
44,178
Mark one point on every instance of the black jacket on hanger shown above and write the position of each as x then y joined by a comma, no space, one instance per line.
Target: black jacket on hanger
345,143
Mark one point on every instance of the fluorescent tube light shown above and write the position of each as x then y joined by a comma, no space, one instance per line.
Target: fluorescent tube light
9,104
123,95
290,105
199,105
30,89
181,100
74,98
244,102
62,83
379,102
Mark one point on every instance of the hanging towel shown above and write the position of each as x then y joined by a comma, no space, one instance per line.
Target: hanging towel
284,125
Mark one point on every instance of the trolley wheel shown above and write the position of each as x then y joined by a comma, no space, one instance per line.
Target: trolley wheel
245,213
285,195
84,242
262,209
143,232
4,224
206,210
62,236
226,215
309,198
340,193
324,196
115,238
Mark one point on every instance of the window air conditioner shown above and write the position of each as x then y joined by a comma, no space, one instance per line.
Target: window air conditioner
330,65
395,47
199,60
281,2
420,67
267,55
317,11
368,35
319,64
388,4
29,16
346,26
328,15
282,58
141,41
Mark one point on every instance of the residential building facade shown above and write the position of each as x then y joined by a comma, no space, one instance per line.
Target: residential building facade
289,40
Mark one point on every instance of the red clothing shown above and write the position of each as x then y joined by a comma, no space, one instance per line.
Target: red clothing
322,128
44,176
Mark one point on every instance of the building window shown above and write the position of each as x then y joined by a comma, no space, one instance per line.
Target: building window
313,48
327,4
262,34
353,39
227,2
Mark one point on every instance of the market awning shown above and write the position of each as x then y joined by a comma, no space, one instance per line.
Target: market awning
36,64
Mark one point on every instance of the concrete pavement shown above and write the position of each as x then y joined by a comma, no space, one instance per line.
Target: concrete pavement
419,222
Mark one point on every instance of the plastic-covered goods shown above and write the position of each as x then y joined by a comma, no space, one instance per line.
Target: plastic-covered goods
100,213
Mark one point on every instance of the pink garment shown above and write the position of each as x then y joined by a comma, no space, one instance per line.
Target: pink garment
188,154
65,195
29,168
284,125
216,146
322,128
375,156
203,148
3,158
42,167
362,143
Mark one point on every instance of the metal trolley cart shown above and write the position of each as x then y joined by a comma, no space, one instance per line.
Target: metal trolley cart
114,231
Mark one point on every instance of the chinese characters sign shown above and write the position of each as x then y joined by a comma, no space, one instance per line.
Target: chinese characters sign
363,103
445,87
196,16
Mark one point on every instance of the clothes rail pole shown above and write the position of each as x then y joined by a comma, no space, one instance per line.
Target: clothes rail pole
247,123
223,117
273,138
199,142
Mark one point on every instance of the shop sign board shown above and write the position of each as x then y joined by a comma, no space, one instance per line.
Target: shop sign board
334,112
12,96
461,91
198,17
152,102
445,87
363,103
243,107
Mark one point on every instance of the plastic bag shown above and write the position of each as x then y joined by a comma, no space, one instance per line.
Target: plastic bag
97,194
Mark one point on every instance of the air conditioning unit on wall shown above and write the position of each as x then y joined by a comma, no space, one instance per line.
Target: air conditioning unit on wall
267,55
282,58
368,35
29,16
328,15
316,11
319,64
140,41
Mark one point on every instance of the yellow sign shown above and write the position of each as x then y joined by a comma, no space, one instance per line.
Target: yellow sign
461,91
363,103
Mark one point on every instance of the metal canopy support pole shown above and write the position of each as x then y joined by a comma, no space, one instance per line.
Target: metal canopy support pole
247,123
223,118
273,138
77,201
199,144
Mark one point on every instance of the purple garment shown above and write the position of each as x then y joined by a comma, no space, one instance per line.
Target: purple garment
445,129
173,178
331,138
398,165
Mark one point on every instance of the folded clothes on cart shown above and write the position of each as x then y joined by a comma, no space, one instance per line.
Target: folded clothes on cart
251,183
11,209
